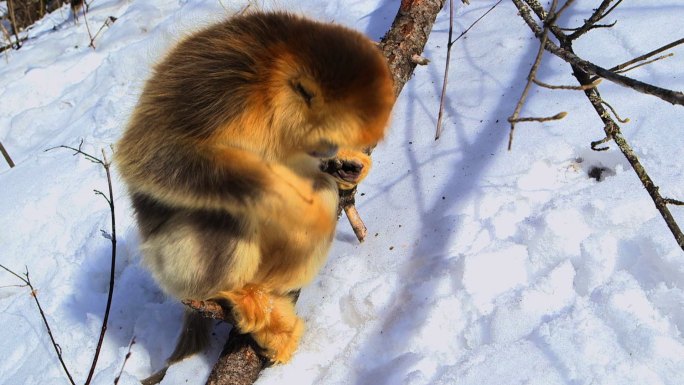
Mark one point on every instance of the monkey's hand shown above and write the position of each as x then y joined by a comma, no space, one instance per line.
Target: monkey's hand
348,168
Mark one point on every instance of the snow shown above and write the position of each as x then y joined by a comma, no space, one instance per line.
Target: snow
482,266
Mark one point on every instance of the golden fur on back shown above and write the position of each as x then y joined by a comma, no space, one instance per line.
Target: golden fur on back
222,160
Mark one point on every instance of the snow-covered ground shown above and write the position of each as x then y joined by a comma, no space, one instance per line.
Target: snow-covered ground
482,266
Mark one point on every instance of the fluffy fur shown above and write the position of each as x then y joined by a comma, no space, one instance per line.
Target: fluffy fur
222,160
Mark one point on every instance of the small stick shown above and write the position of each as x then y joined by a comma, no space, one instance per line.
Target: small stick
6,155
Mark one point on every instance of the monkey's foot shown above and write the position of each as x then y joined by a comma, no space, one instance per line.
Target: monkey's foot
251,307
280,339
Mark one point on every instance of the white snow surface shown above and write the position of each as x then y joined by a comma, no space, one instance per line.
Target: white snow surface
482,266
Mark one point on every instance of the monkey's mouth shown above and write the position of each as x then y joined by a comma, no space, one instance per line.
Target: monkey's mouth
348,170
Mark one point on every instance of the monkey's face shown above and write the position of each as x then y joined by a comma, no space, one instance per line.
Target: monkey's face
354,117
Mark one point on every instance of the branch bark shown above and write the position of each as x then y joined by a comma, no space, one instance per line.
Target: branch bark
240,362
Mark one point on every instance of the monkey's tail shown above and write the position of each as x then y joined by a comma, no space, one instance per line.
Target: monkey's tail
194,337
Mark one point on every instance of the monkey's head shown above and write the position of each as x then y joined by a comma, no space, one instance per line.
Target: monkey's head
332,88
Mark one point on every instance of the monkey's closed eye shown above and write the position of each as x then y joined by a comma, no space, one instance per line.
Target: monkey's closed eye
303,92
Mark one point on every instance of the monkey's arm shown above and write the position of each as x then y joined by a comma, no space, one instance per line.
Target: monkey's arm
218,178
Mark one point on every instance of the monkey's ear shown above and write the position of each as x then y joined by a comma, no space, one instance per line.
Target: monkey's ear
305,93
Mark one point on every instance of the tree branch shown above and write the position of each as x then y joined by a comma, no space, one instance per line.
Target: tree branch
582,71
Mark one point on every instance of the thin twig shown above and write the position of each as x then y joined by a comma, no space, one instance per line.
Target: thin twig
647,55
625,120
574,88
674,97
442,97
34,293
438,131
644,63
476,21
110,20
598,14
90,35
104,162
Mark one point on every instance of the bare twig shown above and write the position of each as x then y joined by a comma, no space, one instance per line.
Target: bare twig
574,88
6,155
626,120
438,131
590,23
647,55
476,21
105,163
674,97
644,63
34,293
110,20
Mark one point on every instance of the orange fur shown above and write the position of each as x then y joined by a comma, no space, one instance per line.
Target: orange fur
221,157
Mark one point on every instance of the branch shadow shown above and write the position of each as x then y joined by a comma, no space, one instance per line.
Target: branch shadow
388,350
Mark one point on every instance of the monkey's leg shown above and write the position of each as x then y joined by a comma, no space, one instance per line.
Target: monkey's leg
269,317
